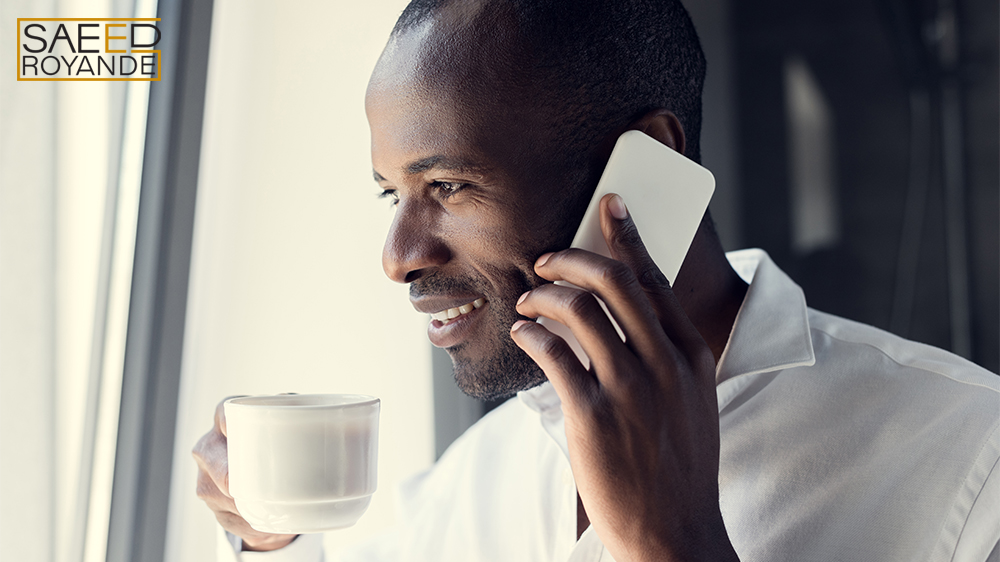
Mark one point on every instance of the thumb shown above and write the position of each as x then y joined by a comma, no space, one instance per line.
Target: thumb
626,246
625,243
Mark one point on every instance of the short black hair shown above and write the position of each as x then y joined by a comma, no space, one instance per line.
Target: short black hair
604,62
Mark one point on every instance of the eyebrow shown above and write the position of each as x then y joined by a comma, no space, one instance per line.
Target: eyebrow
438,162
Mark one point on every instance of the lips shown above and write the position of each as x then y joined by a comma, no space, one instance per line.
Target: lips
453,331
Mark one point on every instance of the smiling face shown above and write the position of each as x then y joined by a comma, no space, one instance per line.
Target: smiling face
478,195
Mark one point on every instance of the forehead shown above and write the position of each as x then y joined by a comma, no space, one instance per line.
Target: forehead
410,122
450,83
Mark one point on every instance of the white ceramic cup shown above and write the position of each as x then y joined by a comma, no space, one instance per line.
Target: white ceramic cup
302,463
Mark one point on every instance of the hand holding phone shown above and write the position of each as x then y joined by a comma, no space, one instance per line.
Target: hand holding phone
667,196
641,419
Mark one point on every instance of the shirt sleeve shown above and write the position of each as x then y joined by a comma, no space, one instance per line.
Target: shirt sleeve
305,548
980,534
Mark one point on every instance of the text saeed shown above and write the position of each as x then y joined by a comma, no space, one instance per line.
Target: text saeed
88,49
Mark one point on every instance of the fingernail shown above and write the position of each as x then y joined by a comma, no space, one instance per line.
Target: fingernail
522,297
544,258
617,207
517,325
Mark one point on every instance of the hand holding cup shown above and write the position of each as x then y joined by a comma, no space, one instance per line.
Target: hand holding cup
273,467
212,455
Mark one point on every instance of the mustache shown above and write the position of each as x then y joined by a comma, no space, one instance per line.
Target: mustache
433,285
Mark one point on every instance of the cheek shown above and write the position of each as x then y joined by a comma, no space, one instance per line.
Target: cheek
500,250
511,236
543,230
549,216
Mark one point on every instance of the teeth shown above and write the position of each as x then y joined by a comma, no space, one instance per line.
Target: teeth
452,313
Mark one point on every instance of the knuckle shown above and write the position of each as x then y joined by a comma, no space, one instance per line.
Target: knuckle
211,446
199,459
580,303
205,488
198,451
232,522
627,236
616,274
555,349
652,278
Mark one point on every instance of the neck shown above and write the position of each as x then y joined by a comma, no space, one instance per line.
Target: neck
708,289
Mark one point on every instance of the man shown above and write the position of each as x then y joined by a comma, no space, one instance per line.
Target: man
733,423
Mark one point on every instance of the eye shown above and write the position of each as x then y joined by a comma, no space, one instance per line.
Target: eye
448,188
392,195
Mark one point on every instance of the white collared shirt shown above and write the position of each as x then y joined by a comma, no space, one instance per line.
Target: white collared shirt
838,442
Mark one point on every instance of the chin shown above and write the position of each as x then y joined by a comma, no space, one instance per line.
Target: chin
498,376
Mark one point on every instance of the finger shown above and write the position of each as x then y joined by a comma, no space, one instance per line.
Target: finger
212,455
574,385
229,517
582,314
626,246
210,493
615,283
252,538
235,524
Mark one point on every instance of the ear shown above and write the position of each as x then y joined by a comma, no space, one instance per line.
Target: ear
662,125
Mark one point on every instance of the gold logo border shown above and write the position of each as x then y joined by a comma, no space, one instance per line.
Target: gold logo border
18,66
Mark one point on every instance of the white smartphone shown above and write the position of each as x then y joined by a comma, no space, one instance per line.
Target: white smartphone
666,195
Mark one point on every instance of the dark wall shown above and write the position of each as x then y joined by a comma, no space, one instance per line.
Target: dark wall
880,67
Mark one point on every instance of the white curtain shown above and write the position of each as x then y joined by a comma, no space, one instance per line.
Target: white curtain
60,158
287,292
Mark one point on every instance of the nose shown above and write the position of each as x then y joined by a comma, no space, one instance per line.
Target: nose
413,246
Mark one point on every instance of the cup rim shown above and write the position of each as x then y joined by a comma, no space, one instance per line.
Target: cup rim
247,401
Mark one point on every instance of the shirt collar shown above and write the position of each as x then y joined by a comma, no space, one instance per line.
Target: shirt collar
541,398
771,331
545,402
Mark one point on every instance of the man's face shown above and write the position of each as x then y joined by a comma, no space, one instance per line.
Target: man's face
477,199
